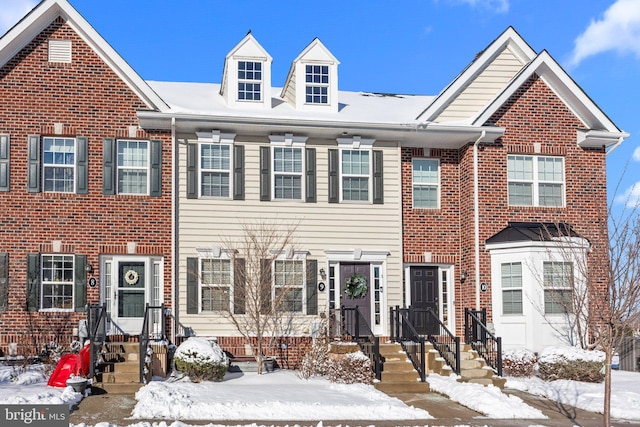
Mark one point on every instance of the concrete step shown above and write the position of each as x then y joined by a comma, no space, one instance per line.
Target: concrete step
476,373
471,364
121,378
115,388
398,365
403,387
126,367
400,376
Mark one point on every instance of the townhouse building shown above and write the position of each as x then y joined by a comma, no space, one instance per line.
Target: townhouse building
123,192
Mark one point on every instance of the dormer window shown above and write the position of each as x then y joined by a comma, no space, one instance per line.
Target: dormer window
249,81
317,84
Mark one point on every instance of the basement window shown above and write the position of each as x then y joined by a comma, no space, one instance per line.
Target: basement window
60,51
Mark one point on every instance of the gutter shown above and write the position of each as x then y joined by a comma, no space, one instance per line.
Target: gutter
476,216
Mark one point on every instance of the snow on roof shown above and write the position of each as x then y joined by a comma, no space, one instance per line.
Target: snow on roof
356,107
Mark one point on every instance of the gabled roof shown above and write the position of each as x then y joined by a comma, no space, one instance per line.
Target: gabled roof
248,47
509,40
568,91
316,52
532,232
44,14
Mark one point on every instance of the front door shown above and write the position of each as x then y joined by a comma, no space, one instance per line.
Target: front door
424,295
127,285
363,302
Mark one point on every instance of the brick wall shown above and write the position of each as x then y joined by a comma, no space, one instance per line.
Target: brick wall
536,122
88,99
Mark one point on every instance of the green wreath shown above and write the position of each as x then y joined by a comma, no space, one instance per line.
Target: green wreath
356,286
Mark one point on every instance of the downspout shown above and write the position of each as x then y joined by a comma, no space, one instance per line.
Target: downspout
476,216
174,228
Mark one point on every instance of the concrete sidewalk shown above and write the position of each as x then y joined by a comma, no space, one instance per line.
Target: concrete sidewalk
116,409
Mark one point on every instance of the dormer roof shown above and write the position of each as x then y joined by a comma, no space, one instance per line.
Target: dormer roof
246,77
47,11
312,82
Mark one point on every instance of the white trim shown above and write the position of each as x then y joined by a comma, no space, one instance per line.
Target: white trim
357,255
216,136
288,140
216,140
437,185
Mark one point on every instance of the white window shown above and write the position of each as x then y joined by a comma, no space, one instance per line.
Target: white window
535,180
289,285
57,281
511,281
355,173
215,284
215,170
249,81
317,84
558,287
426,183
59,158
287,172
133,167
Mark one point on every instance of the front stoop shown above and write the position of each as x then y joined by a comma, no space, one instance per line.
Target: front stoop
474,369
398,374
119,368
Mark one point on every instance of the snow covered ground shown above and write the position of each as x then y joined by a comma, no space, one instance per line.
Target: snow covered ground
282,395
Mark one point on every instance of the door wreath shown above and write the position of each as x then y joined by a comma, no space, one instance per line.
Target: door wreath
355,286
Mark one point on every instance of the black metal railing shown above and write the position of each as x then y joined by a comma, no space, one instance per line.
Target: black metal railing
404,332
153,328
476,334
354,327
97,333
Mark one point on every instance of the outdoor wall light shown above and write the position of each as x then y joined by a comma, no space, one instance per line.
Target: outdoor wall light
463,276
323,274
89,269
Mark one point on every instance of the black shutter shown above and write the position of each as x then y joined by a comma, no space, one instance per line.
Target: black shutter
238,172
80,283
265,173
334,183
156,169
239,289
33,282
33,166
312,286
4,163
310,181
4,281
378,185
192,171
109,168
82,166
265,286
192,285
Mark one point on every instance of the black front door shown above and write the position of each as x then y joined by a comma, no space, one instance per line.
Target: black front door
364,302
424,295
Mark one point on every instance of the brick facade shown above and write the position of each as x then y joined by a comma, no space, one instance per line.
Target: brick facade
82,98
536,122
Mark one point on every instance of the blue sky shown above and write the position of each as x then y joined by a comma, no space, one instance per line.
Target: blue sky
414,47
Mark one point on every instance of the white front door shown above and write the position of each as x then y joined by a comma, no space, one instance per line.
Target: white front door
129,284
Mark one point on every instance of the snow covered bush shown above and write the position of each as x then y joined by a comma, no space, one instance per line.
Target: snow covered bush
201,360
350,368
571,363
518,363
315,360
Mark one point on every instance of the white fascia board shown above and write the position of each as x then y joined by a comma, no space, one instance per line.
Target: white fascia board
511,38
562,85
556,243
44,14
